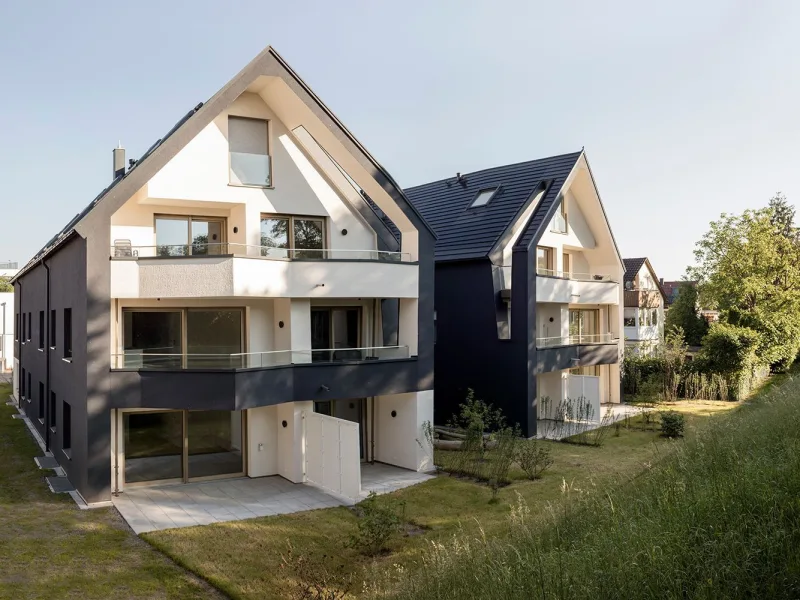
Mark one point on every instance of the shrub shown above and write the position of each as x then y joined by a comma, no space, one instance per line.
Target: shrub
313,580
379,520
672,424
532,458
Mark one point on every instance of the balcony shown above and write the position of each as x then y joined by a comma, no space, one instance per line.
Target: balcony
649,333
567,352
250,380
238,270
575,288
576,340
146,360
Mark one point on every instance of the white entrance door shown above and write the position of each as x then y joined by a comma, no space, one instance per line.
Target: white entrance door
585,389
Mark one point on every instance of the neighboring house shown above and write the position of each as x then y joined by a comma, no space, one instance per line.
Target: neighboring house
528,289
671,289
216,308
7,271
644,306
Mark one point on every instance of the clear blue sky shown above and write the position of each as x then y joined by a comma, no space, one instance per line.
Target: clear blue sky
686,110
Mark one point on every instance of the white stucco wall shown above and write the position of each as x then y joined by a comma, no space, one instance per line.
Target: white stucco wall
197,182
290,454
396,438
253,277
262,441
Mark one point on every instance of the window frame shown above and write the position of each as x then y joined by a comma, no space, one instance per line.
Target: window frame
52,342
291,250
67,343
51,418
549,255
66,426
562,210
491,196
268,122
184,313
42,340
189,219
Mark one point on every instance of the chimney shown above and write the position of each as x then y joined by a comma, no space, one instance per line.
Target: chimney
119,160
661,281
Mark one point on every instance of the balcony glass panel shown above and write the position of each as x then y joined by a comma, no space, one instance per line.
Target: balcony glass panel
250,169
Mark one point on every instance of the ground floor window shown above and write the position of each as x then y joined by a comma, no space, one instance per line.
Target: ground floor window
182,445
594,371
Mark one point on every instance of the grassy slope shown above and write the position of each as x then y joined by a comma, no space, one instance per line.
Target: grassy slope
718,518
243,558
49,548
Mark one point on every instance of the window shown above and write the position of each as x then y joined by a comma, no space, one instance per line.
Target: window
212,338
566,265
544,261
653,316
30,327
51,418
292,237
248,146
630,321
66,424
28,386
593,371
22,385
190,236
23,328
335,334
67,333
16,329
559,222
41,330
584,325
483,198
52,328
644,317
41,402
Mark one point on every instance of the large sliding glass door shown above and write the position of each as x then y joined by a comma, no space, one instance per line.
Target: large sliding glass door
178,235
335,334
153,446
180,445
191,338
584,325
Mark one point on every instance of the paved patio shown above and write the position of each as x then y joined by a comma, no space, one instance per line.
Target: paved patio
185,505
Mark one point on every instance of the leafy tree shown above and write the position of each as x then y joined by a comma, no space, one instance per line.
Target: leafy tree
783,216
729,349
748,267
5,286
684,315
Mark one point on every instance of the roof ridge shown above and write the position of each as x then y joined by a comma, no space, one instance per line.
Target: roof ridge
515,164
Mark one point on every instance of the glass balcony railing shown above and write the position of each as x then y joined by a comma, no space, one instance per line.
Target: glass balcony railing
122,249
575,339
574,275
250,169
145,360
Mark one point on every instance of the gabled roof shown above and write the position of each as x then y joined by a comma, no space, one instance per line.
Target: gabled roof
632,268
469,233
159,154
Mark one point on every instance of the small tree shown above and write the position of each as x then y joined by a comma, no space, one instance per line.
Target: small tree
5,286
684,315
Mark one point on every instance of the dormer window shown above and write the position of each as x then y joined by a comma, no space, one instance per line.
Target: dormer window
483,198
248,145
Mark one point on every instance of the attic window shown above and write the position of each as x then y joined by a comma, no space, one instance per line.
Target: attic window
483,197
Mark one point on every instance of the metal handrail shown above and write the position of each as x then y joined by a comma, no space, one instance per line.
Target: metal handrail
575,339
575,275
122,249
142,359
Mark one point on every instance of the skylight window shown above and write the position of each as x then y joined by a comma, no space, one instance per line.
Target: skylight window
483,198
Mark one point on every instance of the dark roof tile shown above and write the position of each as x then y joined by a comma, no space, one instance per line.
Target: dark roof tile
465,233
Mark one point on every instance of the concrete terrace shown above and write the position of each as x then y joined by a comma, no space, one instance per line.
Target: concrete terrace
201,503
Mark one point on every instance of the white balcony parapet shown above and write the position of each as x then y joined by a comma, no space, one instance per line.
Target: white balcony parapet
123,250
575,340
146,360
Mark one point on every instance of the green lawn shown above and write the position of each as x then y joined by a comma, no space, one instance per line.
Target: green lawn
243,558
49,548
